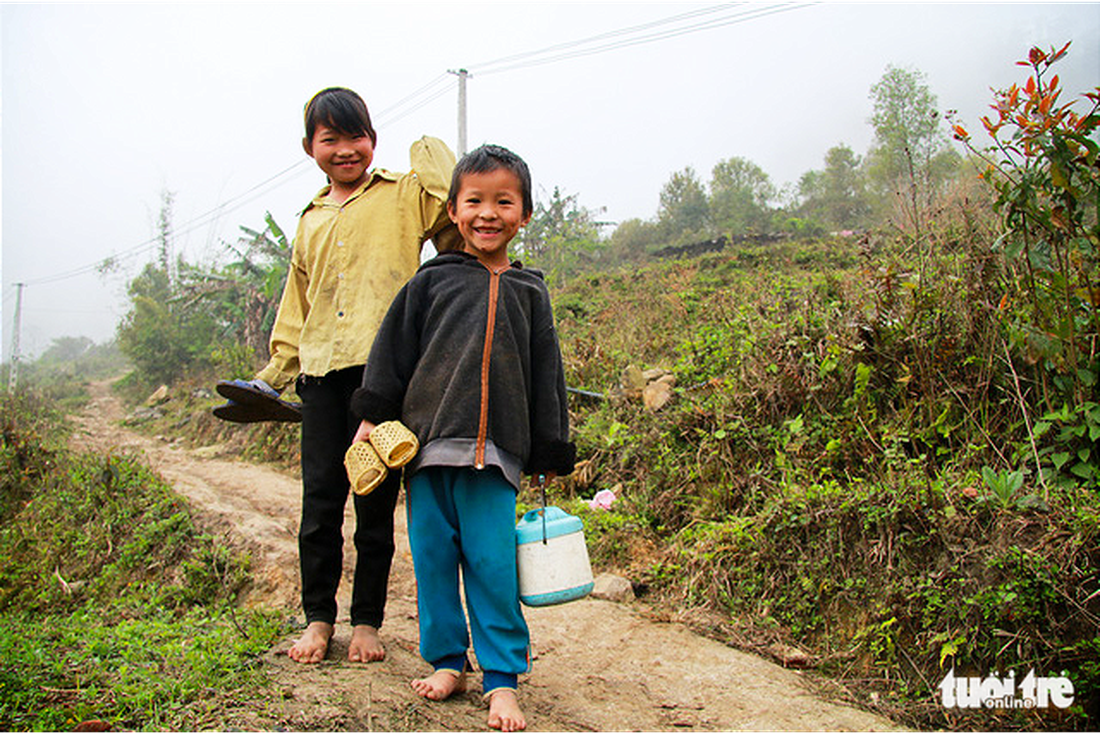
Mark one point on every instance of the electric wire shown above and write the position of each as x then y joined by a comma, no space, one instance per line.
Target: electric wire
187,227
486,65
426,95
423,103
244,198
383,115
529,59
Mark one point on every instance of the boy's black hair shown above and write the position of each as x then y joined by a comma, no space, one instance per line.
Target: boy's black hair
489,158
340,109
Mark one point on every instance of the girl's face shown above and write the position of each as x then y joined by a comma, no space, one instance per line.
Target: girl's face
344,158
489,213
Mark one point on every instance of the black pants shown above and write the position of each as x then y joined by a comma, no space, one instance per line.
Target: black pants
327,430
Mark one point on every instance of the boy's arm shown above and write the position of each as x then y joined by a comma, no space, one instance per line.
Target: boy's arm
433,163
551,450
390,364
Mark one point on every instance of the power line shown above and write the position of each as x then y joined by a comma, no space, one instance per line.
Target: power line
487,65
560,52
246,197
422,90
187,227
441,85
421,104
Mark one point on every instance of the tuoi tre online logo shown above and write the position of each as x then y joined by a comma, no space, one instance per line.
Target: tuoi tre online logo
1005,693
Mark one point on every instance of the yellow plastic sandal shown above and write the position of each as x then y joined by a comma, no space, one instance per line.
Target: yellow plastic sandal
365,468
395,443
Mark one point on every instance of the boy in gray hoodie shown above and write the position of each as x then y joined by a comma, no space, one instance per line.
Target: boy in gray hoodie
467,357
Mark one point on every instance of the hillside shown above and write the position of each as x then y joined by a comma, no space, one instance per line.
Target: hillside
820,478
850,462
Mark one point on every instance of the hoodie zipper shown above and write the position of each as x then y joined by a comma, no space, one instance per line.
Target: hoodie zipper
487,352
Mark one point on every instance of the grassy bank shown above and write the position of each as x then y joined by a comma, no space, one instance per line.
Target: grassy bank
113,606
856,461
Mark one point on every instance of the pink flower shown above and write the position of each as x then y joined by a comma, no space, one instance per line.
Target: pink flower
602,500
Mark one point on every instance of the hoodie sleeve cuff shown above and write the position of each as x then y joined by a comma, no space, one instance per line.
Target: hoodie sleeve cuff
372,407
559,457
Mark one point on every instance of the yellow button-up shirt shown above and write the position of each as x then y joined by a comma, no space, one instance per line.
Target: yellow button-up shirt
350,259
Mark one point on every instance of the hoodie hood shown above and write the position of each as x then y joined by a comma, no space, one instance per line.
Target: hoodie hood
459,257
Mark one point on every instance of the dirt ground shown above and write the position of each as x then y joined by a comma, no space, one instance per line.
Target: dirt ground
599,665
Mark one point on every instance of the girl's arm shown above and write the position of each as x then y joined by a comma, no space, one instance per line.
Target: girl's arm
390,365
433,163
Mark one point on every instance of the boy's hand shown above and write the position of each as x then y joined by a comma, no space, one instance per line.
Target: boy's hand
363,432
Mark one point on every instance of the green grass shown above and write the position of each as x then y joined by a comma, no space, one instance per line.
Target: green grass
113,605
162,670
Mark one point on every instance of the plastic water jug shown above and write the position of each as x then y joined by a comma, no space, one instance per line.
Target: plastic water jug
552,557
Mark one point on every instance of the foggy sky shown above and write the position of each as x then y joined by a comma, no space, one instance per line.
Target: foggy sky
107,106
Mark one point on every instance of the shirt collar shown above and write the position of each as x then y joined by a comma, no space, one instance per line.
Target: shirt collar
375,175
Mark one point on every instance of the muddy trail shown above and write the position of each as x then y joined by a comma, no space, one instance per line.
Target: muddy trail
598,665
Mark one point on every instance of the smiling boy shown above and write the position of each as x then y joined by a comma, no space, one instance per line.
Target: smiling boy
467,357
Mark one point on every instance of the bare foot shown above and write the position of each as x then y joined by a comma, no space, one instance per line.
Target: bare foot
440,685
365,647
504,711
313,644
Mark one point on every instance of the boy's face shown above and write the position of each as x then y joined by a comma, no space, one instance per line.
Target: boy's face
489,212
344,158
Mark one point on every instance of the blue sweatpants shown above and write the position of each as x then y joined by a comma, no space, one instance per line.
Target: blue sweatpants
462,517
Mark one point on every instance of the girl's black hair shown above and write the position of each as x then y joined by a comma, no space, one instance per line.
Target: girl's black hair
340,109
489,158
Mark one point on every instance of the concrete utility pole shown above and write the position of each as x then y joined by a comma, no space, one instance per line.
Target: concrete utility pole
462,75
13,368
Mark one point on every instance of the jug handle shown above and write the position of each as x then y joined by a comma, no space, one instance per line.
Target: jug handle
540,482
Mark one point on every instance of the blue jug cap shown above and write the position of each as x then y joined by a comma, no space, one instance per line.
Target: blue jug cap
558,522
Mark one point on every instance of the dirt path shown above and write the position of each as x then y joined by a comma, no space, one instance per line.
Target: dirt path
598,665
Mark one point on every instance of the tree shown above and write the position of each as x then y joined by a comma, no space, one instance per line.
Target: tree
561,235
243,296
911,153
906,125
1043,165
632,240
740,197
73,360
163,335
66,349
684,211
836,196
160,341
